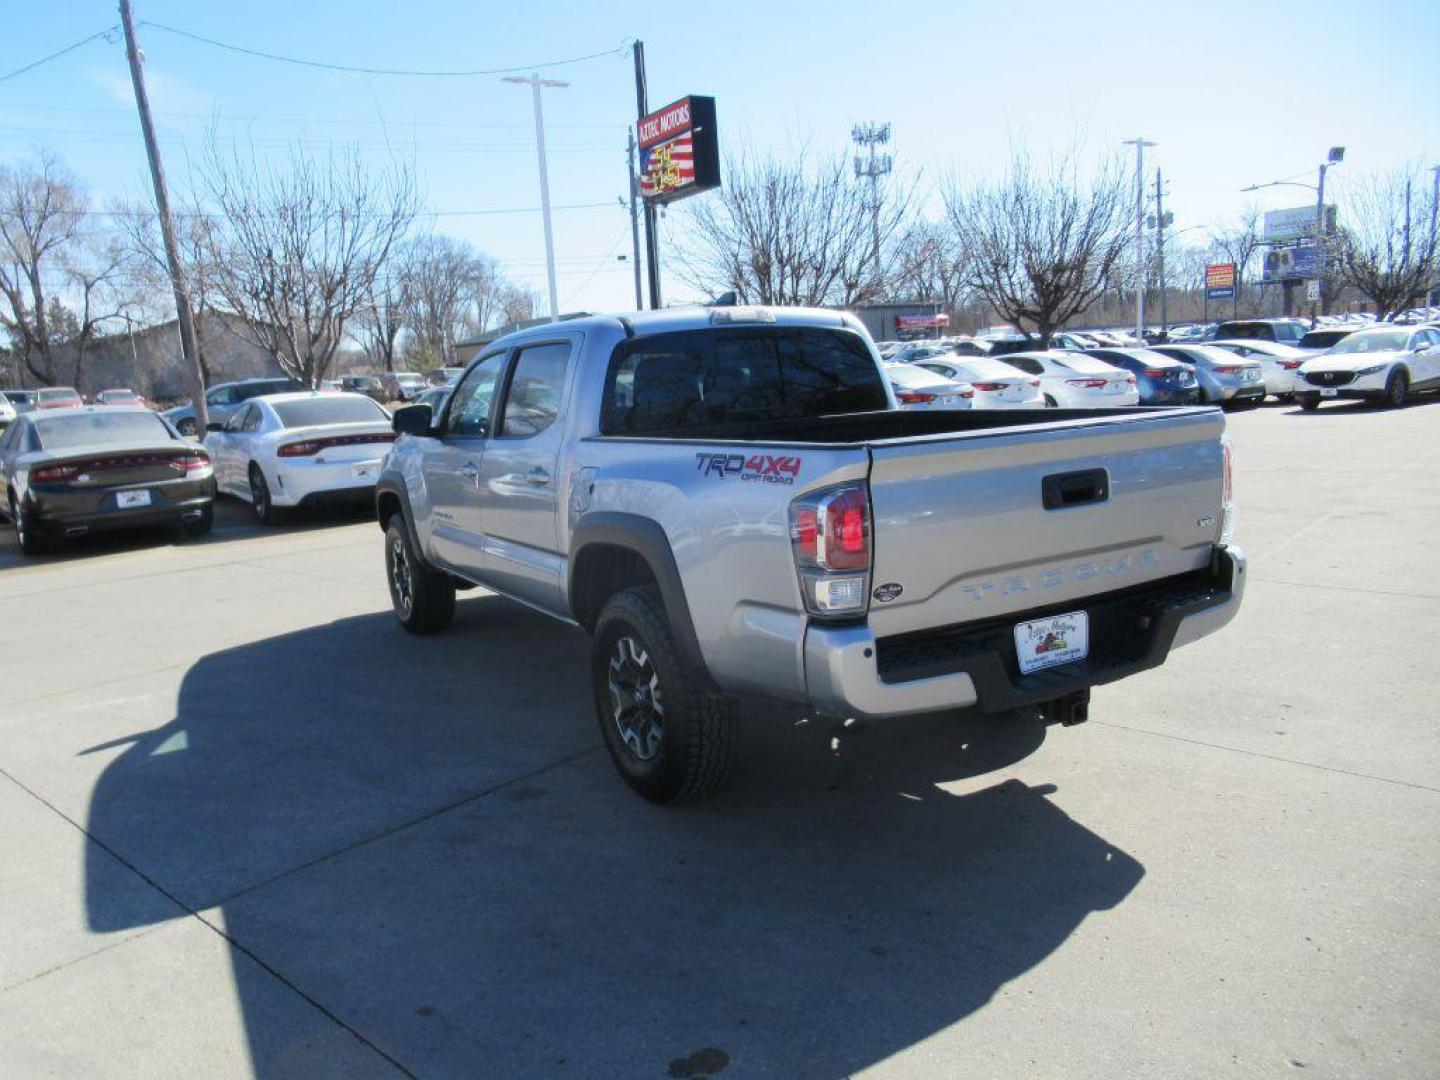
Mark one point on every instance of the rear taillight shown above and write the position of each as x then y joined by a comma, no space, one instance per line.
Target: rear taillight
1034,382
54,474
1228,369
989,386
1227,494
308,447
1290,365
1156,373
830,540
190,463
1089,384
913,397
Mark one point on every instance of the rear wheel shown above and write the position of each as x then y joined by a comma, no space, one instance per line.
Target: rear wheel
668,736
27,529
424,600
1310,403
265,510
1397,388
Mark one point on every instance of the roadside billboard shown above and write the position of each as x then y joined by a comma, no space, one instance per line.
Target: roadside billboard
1296,223
1220,281
679,150
1291,263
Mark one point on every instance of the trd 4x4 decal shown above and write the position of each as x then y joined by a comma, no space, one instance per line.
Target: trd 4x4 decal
761,467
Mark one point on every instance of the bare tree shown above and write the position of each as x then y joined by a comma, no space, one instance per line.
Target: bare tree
381,320
62,284
1238,243
195,236
1044,242
792,232
1387,246
512,303
453,290
298,246
931,264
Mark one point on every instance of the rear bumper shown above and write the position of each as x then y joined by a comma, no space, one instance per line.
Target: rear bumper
76,513
298,482
848,672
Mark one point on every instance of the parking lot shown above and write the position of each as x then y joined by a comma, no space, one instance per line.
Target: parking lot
249,825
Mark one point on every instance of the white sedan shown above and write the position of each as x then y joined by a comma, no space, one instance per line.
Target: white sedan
1279,363
1075,381
1383,365
996,385
916,388
291,450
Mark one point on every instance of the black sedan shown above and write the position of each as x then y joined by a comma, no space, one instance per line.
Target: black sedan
71,472
1160,379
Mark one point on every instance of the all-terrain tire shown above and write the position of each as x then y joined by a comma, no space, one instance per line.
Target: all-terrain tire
696,749
423,599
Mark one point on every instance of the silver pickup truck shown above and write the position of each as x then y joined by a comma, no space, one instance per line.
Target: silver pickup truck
730,502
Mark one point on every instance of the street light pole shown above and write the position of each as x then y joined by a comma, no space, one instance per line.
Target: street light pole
1140,144
535,84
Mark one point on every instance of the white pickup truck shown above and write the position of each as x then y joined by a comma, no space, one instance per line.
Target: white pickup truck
728,500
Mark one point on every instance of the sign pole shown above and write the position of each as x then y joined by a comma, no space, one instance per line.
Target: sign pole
652,241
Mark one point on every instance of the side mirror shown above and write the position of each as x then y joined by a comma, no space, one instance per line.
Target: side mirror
214,425
413,420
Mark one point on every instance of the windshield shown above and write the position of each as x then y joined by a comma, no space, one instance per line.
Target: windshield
58,395
101,429
311,412
1375,341
19,397
691,378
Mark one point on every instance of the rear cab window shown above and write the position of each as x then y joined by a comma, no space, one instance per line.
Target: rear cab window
693,378
100,429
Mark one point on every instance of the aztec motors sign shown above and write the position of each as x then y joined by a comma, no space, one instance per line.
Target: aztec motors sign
679,150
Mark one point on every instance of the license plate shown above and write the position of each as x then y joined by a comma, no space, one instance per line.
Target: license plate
1330,393
363,472
1057,640
951,401
125,500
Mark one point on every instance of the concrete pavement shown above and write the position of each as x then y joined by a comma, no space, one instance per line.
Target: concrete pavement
248,826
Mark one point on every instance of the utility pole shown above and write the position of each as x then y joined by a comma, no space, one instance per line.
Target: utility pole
634,217
188,347
868,136
1160,251
652,240
536,83
1434,207
1140,144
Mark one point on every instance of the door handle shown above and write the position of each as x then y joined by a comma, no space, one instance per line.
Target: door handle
539,477
469,472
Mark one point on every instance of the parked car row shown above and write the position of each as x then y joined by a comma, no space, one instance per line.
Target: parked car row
1383,363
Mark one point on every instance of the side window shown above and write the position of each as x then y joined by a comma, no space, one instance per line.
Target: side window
533,400
224,396
469,415
237,422
253,418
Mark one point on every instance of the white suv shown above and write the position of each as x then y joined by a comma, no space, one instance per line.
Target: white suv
1383,365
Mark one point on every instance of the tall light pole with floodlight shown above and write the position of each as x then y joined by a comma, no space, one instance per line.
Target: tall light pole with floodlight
535,83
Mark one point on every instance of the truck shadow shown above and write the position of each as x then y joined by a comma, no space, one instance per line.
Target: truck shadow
423,836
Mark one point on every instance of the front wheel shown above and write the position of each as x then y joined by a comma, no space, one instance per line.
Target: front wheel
1310,403
424,600
1397,388
669,737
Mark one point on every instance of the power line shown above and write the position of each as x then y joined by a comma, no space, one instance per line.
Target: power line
25,106
323,65
56,55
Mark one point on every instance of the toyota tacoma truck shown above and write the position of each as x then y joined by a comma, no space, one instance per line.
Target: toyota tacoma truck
730,502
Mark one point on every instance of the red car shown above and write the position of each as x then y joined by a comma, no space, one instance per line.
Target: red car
58,397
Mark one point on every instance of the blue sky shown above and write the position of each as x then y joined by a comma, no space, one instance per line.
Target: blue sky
1234,93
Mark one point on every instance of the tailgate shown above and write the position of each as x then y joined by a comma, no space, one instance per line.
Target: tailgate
962,523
